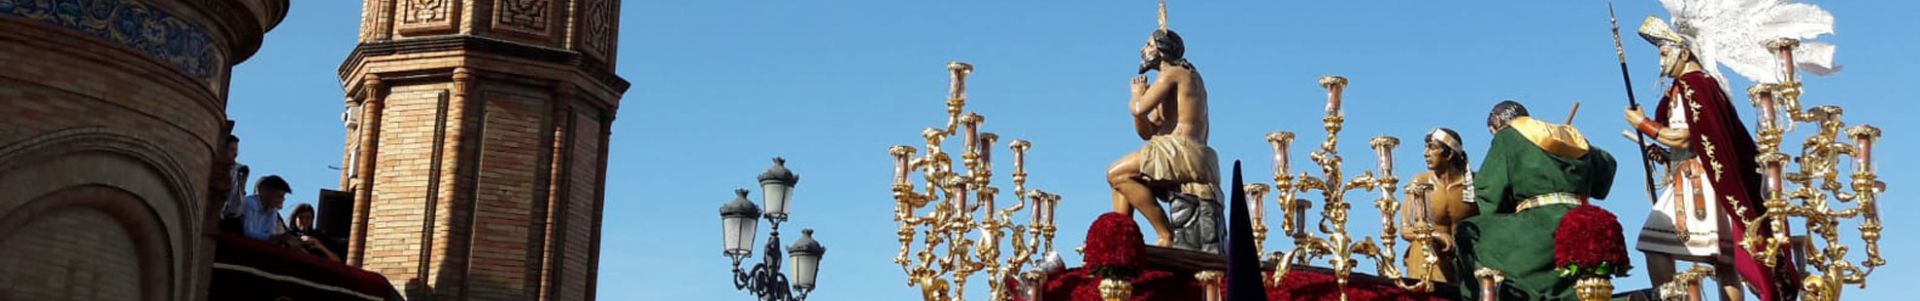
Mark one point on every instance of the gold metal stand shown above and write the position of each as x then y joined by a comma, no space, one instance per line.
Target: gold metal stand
1211,281
1333,214
1816,182
1591,289
954,243
1115,290
1489,280
1686,286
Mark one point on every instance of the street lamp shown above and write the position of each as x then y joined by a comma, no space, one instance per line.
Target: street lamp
739,219
776,187
806,261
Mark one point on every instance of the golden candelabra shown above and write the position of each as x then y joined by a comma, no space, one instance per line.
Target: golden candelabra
1817,184
1333,215
1257,195
950,250
1592,289
1686,285
1489,280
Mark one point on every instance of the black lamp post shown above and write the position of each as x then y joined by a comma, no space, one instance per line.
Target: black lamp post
739,219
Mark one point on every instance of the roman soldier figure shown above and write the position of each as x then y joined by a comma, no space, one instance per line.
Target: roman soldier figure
1713,187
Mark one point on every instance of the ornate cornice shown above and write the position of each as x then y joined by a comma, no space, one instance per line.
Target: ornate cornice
246,21
594,69
154,32
167,36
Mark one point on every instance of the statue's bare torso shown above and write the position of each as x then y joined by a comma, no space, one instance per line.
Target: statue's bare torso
1189,106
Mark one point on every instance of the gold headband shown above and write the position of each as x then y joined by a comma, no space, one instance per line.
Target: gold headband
1445,140
1466,193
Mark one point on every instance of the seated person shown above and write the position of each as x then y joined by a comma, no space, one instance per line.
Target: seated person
259,214
1532,175
305,237
1452,183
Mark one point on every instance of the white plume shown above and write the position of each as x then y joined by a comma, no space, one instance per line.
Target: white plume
1734,33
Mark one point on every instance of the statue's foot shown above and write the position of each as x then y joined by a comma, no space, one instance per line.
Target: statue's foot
1163,242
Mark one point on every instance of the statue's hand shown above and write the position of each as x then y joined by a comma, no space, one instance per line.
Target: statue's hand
1139,84
1443,241
1635,115
1656,153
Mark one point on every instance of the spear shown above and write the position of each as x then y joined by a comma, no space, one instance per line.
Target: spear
1639,139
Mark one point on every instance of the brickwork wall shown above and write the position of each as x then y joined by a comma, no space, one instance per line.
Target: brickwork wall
510,165
60,191
105,117
551,213
447,248
576,258
106,142
396,225
502,219
48,260
485,233
47,88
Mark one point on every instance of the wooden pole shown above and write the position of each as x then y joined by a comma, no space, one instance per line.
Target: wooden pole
1570,113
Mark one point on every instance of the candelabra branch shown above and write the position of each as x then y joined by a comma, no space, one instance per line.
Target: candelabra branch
1256,197
1816,183
1339,245
955,243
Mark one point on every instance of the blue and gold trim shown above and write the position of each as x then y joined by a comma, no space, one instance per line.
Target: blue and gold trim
155,32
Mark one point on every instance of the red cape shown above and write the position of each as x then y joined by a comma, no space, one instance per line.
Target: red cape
1720,139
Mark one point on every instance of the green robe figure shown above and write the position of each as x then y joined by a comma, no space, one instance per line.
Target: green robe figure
1532,175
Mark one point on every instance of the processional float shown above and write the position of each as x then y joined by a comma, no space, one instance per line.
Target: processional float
949,211
962,232
955,243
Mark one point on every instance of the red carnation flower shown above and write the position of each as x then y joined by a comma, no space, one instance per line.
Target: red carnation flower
1589,243
1114,243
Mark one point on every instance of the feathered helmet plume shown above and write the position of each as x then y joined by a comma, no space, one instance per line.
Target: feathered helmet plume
1734,33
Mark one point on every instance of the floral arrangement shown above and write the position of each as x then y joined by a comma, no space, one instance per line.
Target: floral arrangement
1589,244
1114,247
1315,284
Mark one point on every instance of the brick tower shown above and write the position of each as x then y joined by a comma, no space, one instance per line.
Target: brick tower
111,125
477,145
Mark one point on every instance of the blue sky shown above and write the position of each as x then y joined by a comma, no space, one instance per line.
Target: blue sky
721,86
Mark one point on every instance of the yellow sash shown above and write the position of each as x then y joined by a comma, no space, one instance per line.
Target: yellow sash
1557,139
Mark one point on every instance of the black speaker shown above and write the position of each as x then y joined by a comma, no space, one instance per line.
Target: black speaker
336,213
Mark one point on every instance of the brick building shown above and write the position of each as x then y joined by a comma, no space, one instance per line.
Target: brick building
111,112
477,145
